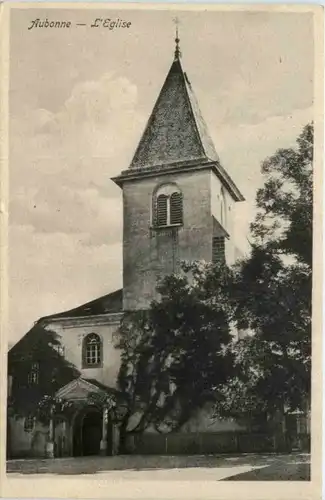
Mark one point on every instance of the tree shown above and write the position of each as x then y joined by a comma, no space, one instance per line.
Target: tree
38,350
272,288
239,399
283,223
174,356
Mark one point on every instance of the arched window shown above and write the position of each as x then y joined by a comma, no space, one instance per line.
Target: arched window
92,350
168,206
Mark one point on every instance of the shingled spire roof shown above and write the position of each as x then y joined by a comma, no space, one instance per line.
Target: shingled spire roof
176,136
176,131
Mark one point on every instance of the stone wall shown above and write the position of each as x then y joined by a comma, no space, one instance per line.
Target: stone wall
149,253
24,443
200,443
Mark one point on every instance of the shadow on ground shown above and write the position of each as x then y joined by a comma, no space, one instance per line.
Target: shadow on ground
269,467
275,472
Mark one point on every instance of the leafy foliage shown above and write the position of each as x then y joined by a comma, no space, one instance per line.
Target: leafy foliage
52,405
272,289
174,355
40,347
285,203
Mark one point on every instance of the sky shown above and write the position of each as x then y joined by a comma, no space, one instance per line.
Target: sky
79,99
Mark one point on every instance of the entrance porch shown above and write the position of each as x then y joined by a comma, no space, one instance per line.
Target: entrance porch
86,426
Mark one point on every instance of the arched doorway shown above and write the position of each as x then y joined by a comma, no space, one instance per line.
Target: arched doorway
87,432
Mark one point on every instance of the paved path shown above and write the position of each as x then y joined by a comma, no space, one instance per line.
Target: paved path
247,467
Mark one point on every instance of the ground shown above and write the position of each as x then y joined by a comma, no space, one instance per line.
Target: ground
246,467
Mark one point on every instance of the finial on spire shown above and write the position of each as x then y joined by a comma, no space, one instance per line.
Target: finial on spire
177,49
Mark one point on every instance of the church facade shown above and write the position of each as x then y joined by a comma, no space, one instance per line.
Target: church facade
178,204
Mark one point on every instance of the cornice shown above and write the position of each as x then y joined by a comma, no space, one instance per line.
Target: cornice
180,167
76,322
160,169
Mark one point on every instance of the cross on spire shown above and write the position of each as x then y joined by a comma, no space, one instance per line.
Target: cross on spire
177,49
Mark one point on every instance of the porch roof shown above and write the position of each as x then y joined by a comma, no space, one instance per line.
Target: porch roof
79,389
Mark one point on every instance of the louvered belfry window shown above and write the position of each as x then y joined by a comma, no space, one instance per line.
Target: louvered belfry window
162,209
176,208
168,206
218,249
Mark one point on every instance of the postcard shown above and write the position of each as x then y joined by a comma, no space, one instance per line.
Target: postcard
161,266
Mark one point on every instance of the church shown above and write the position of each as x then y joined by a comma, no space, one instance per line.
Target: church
178,204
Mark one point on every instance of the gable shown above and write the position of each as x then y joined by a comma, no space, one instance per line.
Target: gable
78,389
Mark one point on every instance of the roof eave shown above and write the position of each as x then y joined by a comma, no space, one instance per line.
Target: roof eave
233,189
185,166
161,169
109,317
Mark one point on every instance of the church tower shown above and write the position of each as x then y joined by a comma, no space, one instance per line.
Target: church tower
177,198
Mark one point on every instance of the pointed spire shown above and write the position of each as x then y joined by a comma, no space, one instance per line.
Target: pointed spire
177,40
175,131
176,135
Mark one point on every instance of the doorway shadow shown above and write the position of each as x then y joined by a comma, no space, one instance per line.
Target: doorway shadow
87,432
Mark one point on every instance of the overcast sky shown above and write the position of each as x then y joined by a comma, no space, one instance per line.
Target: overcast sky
79,99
